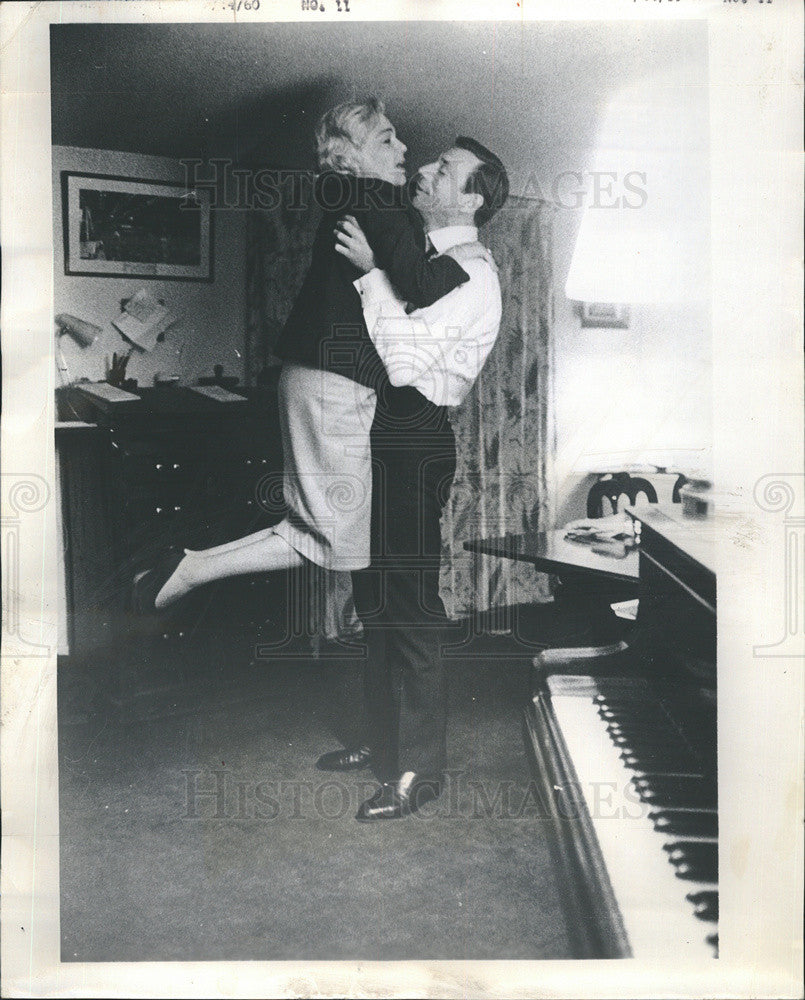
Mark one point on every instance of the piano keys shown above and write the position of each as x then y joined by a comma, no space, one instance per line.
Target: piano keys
624,741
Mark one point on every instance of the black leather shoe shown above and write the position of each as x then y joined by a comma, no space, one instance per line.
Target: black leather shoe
345,760
147,585
394,800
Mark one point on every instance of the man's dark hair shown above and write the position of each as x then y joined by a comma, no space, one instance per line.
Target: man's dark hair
489,179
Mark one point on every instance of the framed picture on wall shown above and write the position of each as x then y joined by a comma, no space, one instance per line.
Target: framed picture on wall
122,227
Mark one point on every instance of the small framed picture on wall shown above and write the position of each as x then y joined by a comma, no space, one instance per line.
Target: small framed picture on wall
123,227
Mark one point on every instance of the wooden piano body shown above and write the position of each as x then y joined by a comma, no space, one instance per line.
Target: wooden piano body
624,742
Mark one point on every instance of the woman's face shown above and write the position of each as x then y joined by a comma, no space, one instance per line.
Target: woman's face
382,154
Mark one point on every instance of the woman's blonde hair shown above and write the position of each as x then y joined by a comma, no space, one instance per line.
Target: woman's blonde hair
341,132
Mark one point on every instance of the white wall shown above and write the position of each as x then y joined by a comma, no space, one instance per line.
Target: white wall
212,324
642,394
644,389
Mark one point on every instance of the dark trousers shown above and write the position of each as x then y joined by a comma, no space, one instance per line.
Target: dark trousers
397,597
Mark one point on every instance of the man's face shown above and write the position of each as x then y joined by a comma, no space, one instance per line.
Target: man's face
382,154
439,188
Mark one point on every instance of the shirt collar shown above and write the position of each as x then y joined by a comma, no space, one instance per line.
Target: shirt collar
450,236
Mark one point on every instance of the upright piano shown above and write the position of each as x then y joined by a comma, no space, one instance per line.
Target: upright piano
625,751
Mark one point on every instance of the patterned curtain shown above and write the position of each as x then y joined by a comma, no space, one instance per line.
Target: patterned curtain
504,435
504,431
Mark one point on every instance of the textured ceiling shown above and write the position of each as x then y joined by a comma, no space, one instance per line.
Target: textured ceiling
532,92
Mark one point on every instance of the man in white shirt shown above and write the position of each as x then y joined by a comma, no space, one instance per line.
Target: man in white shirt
432,357
441,349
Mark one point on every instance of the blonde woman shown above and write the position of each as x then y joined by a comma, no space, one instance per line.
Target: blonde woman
331,371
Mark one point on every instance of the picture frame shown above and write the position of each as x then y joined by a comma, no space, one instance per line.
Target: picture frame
128,227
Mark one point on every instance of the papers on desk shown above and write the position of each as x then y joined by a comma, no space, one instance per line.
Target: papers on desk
607,536
618,527
217,394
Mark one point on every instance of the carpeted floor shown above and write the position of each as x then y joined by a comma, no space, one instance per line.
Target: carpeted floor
206,832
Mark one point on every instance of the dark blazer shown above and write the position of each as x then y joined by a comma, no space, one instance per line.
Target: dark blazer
326,328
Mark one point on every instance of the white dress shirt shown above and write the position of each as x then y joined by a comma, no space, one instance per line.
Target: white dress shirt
441,349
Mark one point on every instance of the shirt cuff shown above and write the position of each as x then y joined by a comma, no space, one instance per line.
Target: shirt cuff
374,285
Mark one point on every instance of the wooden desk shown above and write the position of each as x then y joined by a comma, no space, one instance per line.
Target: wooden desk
165,471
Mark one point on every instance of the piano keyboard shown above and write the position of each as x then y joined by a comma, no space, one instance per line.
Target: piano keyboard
647,786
